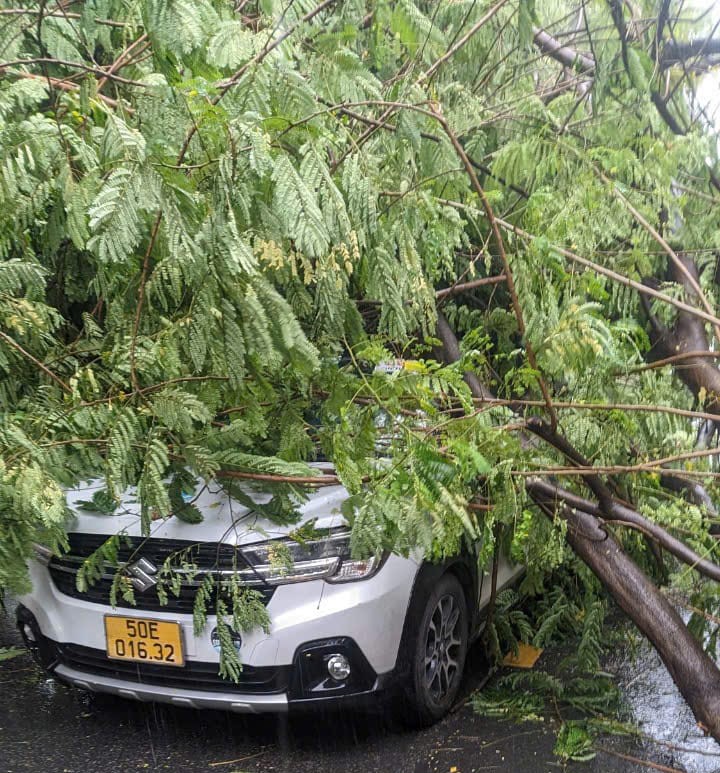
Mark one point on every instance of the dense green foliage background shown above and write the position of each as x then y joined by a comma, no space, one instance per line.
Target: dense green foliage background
216,217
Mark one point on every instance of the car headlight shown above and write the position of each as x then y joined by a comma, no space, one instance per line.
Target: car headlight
284,561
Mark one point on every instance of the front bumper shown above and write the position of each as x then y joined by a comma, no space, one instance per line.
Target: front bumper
185,697
363,619
198,685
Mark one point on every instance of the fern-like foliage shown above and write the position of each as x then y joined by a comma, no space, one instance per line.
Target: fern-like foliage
218,224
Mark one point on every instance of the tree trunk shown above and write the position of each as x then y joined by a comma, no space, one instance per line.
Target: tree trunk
695,674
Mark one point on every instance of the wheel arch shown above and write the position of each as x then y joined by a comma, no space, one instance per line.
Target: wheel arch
467,576
464,569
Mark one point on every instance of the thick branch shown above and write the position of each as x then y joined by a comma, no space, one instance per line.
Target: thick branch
674,52
567,57
681,268
695,674
551,436
616,511
695,492
688,335
452,354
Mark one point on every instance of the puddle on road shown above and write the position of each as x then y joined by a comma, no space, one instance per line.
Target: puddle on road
654,703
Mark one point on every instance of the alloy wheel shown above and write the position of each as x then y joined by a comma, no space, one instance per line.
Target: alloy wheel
442,648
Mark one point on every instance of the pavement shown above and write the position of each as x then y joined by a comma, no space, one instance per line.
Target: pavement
45,726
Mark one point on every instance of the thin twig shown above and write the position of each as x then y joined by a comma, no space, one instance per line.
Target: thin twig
226,85
461,288
649,466
323,480
620,278
122,60
141,301
78,65
638,761
35,361
64,85
560,405
503,256
239,759
479,24
61,14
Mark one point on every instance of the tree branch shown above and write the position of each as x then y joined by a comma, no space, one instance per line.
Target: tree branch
567,57
695,674
47,60
615,511
503,257
427,136
479,24
680,268
323,480
141,300
688,339
674,52
465,286
226,85
639,286
452,354
61,14
63,85
15,345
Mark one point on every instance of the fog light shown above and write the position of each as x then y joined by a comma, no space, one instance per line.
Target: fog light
338,667
29,634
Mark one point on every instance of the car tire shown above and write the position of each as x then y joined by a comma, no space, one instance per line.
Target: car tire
436,654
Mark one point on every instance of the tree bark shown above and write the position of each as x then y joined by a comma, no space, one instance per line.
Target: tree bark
688,335
567,56
674,52
695,674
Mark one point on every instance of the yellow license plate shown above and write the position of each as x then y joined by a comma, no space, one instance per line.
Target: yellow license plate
144,641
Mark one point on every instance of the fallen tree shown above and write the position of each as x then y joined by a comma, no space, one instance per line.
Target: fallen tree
218,218
590,536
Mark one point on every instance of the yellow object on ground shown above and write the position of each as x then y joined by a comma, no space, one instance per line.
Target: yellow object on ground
526,657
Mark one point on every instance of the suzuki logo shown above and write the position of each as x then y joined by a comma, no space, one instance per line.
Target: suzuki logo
142,574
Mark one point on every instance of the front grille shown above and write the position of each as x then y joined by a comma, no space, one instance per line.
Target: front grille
207,557
193,675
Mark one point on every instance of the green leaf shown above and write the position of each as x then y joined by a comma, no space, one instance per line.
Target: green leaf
103,501
638,64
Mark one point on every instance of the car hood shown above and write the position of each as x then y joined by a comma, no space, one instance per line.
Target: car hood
224,518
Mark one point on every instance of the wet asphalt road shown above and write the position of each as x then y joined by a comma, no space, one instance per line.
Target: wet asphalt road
47,727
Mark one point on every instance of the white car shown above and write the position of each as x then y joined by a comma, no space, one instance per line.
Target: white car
342,631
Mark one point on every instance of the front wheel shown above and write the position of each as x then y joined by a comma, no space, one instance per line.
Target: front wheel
438,653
